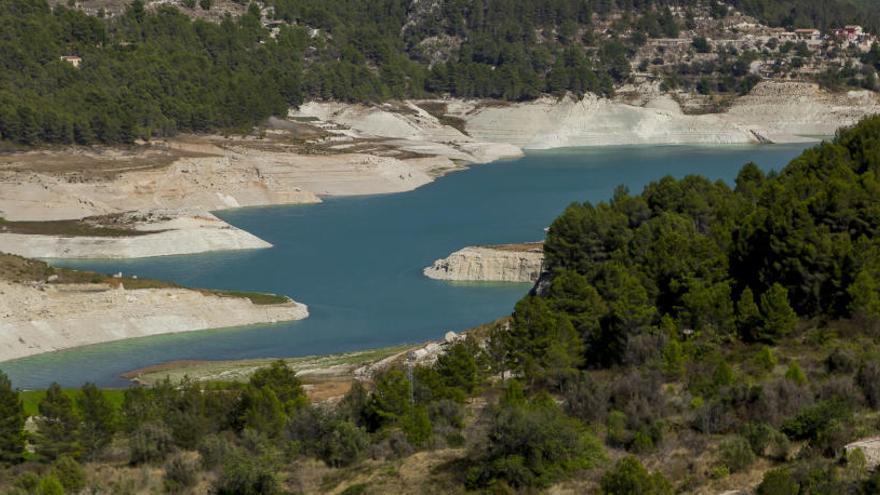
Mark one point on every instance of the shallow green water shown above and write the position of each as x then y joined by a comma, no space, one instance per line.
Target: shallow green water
357,261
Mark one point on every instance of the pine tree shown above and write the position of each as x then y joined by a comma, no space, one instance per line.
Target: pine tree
283,382
864,296
12,419
99,419
778,317
748,316
57,426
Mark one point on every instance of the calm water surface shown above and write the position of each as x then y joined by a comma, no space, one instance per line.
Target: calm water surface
357,261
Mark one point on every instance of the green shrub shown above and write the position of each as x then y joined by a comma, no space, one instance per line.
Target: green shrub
840,361
701,45
811,421
213,449
27,481
531,446
629,477
343,445
779,318
736,454
795,374
618,435
69,472
152,442
244,474
49,485
765,359
417,426
357,489
758,436
778,482
180,474
673,359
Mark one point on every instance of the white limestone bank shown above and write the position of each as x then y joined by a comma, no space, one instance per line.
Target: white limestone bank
772,112
372,149
177,234
37,317
504,263
175,200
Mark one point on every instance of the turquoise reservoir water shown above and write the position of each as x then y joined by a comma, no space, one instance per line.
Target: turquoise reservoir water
357,261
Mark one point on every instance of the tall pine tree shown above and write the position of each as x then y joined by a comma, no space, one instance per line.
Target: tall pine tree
98,419
57,426
12,418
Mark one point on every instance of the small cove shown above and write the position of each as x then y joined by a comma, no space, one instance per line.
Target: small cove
357,261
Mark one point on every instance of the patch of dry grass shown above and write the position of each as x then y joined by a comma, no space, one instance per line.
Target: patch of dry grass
87,227
438,110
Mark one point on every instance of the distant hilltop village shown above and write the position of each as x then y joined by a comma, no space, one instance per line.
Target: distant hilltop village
851,36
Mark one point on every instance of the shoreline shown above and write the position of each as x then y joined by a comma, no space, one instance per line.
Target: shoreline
107,315
355,149
45,309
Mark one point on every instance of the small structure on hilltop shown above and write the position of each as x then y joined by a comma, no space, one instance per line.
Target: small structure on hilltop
850,33
854,35
808,34
73,60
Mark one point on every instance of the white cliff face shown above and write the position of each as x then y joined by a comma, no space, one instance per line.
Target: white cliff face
37,318
490,264
772,112
407,126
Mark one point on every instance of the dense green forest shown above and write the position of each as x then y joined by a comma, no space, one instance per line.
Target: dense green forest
148,74
731,323
822,14
156,73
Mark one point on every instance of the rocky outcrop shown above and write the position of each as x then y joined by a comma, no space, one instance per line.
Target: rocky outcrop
410,127
870,447
39,317
504,263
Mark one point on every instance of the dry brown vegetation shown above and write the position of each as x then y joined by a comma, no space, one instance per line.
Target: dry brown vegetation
103,226
438,110
519,247
96,163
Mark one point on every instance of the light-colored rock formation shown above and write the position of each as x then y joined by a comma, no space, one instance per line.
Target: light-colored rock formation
37,318
186,190
235,178
505,263
772,112
174,233
408,126
870,447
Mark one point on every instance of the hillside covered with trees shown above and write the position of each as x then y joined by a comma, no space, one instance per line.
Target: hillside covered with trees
156,72
820,14
717,334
